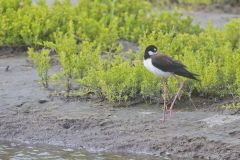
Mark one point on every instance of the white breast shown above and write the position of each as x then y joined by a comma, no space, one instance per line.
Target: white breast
148,64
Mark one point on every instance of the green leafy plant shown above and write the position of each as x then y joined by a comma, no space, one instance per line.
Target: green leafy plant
41,59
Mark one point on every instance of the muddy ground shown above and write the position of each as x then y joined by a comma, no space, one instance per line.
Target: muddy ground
218,19
28,115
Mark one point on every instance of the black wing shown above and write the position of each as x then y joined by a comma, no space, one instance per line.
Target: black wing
167,64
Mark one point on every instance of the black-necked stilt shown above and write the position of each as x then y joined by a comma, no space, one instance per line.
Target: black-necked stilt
164,66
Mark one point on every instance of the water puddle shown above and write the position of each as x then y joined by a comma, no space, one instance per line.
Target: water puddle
14,151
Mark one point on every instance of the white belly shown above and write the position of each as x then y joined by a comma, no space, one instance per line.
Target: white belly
148,64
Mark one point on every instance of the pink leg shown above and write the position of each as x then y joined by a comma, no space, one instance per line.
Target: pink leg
177,95
164,99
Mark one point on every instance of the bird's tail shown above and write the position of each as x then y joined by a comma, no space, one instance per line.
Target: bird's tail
185,73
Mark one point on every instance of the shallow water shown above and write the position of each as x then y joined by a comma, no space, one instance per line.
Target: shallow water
14,151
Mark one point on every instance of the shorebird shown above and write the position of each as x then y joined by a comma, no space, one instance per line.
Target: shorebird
164,66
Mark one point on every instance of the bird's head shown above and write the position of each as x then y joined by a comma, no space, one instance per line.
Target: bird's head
150,50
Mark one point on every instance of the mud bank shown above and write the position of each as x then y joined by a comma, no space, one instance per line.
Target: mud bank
28,115
218,19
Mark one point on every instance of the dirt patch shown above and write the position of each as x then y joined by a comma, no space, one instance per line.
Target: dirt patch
218,19
229,7
9,51
28,115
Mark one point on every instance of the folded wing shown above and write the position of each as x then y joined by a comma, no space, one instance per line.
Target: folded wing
167,64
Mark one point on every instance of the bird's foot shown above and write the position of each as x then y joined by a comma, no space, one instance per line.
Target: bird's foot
170,112
162,120
167,114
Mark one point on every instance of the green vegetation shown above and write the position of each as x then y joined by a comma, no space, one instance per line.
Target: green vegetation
97,62
41,59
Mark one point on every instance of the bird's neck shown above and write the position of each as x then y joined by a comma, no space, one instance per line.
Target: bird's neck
146,56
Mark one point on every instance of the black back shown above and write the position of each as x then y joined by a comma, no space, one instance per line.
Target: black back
167,64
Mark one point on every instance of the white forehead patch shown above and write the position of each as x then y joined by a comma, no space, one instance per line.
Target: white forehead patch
151,53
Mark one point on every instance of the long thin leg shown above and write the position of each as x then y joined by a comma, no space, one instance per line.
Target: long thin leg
164,99
177,94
